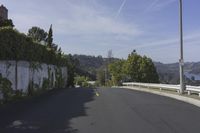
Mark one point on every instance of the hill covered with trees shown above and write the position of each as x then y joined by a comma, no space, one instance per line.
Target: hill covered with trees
113,71
94,68
169,73
90,65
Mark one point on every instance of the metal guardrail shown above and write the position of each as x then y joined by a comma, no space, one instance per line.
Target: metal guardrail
189,89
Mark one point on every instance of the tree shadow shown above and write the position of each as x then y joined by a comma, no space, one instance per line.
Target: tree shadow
48,113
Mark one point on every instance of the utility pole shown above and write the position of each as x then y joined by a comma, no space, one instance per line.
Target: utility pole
181,61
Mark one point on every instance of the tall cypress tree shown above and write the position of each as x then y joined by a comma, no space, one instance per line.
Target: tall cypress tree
50,37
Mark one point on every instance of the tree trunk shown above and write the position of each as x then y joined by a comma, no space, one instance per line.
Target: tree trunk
16,75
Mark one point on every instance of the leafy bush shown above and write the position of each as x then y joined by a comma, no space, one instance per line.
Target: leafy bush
17,46
6,23
81,81
18,94
45,84
6,88
59,79
136,68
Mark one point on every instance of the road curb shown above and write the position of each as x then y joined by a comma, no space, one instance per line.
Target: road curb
174,96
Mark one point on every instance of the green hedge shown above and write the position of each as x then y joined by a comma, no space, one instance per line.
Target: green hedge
17,46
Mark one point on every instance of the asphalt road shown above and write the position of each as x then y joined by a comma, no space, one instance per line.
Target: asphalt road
108,111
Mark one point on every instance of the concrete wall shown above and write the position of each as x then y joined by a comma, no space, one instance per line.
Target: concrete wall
27,73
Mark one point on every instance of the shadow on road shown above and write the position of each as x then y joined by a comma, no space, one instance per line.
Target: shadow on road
49,113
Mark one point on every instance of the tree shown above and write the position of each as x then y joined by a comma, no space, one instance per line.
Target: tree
71,65
37,34
132,67
148,71
101,77
17,46
141,69
50,38
116,70
6,23
81,81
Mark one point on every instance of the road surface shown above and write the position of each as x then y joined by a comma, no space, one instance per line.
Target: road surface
105,111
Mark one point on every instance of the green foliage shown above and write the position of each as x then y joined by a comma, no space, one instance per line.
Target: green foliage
6,88
37,34
18,95
116,70
6,23
136,68
148,71
17,46
71,65
45,84
132,67
59,78
89,65
141,69
100,77
81,81
50,78
35,66
50,38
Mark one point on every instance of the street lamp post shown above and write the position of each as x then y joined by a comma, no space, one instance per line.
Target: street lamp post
181,61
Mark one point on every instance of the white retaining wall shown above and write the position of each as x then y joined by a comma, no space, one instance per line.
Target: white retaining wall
25,73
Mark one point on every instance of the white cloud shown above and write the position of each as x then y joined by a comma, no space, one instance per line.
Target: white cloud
75,18
85,19
157,5
189,39
120,8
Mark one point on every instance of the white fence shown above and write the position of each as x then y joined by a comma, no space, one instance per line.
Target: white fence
24,73
189,89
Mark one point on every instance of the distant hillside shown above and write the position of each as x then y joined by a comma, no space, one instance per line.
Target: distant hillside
88,65
168,73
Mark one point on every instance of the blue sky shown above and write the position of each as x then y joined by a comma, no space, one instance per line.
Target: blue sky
93,27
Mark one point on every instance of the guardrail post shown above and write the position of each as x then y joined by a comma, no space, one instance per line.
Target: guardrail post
160,89
189,92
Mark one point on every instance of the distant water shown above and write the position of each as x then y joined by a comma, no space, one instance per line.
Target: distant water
190,75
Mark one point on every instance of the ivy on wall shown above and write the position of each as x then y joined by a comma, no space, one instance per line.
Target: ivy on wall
17,46
5,88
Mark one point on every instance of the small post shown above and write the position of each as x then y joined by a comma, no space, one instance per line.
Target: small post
189,92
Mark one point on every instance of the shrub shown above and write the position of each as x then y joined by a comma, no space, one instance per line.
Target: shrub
6,88
45,84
